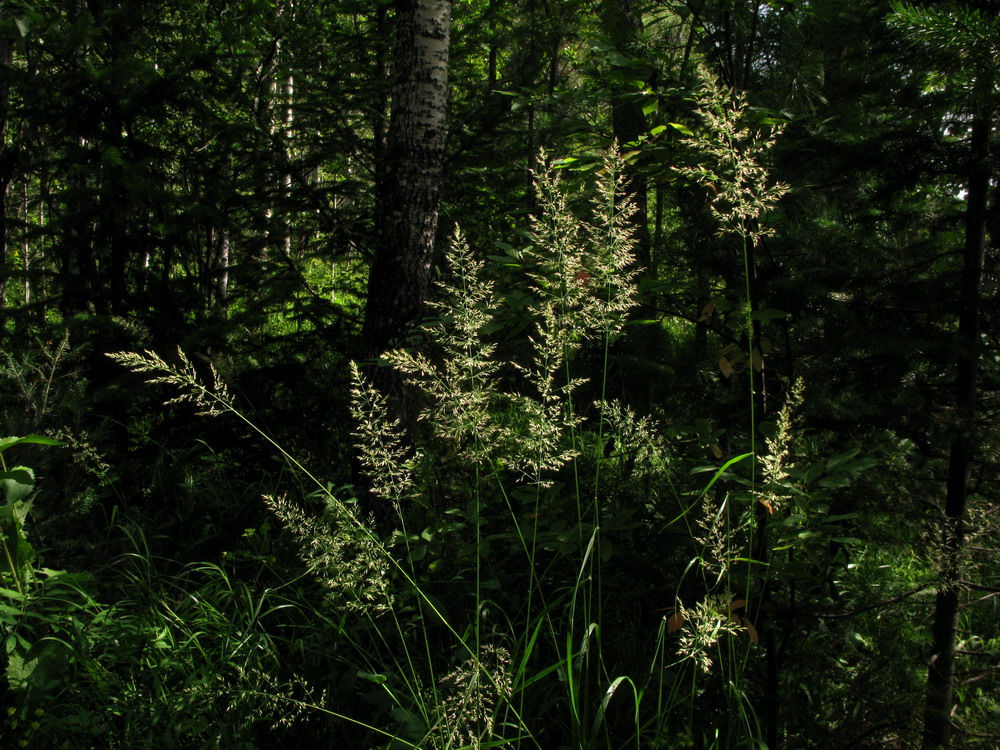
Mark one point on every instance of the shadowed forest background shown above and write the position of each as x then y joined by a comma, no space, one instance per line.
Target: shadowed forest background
499,373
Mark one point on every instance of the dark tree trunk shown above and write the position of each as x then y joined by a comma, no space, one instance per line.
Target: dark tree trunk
7,157
78,270
407,202
382,74
409,186
112,227
941,668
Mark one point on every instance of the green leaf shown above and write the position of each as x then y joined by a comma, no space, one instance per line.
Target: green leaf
17,550
11,594
838,480
766,316
813,473
845,539
702,469
7,442
651,107
862,464
841,458
681,128
840,517
6,609
17,483
722,471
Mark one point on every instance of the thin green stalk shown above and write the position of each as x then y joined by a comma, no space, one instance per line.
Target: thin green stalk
163,373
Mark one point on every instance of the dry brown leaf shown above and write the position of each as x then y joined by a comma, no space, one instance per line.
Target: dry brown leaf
675,622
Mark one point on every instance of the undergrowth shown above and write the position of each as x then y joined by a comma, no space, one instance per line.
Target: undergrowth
563,572
505,608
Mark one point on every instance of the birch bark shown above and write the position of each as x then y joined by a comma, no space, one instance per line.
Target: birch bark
409,186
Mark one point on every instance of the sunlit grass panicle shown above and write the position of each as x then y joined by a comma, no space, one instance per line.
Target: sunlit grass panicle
704,625
345,560
583,284
461,379
640,437
733,169
714,537
585,267
211,401
777,462
382,450
581,277
469,697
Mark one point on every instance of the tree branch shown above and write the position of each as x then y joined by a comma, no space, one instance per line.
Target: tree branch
867,608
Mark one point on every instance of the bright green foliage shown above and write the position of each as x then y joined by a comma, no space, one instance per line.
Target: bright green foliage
690,500
17,483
